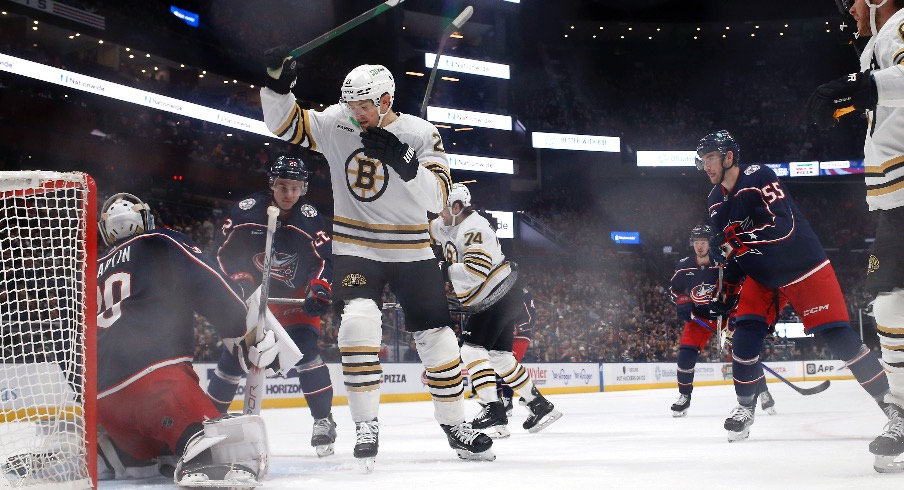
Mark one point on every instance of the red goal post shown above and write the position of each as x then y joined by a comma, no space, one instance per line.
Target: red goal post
48,355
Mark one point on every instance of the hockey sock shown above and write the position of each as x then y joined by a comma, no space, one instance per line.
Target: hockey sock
502,389
360,332
441,356
483,378
888,309
314,379
687,359
513,373
225,381
863,363
747,343
762,386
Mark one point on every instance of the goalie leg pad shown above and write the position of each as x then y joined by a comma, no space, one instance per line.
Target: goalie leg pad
888,308
483,378
231,450
439,352
360,334
513,373
863,363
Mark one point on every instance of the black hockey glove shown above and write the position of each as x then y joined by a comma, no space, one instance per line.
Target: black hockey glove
444,269
280,69
386,147
726,302
853,93
317,302
684,312
728,243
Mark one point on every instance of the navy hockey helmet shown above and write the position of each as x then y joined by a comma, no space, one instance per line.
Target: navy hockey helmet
290,168
701,231
721,141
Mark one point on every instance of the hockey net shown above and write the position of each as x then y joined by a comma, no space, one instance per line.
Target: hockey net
48,374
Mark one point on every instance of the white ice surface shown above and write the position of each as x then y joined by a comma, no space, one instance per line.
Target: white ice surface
616,440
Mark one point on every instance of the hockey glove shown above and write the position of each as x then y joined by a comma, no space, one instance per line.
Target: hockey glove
684,311
728,243
386,147
280,70
260,354
852,93
317,302
726,302
444,269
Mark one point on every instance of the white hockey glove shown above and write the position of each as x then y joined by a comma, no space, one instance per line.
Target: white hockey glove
284,352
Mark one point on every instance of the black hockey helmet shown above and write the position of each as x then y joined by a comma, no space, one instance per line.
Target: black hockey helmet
289,168
721,141
701,231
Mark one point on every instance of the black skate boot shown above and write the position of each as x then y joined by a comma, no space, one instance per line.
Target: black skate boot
367,442
469,443
324,435
739,421
767,403
542,413
492,420
679,408
507,401
890,444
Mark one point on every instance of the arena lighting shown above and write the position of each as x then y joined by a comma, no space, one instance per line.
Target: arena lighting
186,16
84,83
469,66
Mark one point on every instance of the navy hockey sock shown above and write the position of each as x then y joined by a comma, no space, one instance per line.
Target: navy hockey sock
225,381
747,343
503,390
687,359
863,363
318,389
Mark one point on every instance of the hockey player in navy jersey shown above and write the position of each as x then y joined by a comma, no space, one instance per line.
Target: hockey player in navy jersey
486,283
877,90
302,268
765,239
150,283
388,170
692,288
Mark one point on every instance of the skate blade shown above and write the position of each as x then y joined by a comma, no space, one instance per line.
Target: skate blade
738,436
770,410
367,464
325,450
679,413
193,481
498,432
546,422
887,464
466,455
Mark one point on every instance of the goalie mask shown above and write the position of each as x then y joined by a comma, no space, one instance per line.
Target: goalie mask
122,216
368,82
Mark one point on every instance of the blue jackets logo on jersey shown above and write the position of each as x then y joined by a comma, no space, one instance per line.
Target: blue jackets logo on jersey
246,204
282,266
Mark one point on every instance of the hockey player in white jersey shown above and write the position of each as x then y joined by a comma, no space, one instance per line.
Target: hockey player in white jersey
486,284
388,170
878,91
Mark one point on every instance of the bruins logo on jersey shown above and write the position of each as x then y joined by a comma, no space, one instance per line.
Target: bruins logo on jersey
353,280
873,265
365,177
450,252
901,30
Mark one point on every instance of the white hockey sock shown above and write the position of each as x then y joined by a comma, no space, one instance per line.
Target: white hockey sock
483,377
513,373
439,352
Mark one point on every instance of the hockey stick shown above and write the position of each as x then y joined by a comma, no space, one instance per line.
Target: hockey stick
327,36
456,24
255,381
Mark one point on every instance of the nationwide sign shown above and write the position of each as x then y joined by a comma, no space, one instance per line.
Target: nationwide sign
469,118
465,65
582,142
481,164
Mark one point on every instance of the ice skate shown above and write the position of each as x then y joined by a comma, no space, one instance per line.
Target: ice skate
470,444
738,423
324,435
367,443
767,403
542,413
492,420
890,444
679,408
507,401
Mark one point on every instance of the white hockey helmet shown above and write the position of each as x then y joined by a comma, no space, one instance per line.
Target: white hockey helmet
368,82
461,193
122,216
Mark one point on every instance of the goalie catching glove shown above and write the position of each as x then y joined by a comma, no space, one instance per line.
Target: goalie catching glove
386,147
276,352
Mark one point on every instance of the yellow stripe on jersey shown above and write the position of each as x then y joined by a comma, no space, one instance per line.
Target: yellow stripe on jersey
441,172
881,170
380,228
467,297
898,57
478,262
376,244
881,190
284,127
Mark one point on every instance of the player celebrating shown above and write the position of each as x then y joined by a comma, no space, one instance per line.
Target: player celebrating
764,237
877,90
388,170
485,282
151,282
302,268
692,288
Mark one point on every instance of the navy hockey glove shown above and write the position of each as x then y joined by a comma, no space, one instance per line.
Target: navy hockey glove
317,302
280,69
852,93
684,312
444,269
386,147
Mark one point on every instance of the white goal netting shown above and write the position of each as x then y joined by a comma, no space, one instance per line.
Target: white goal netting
47,370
